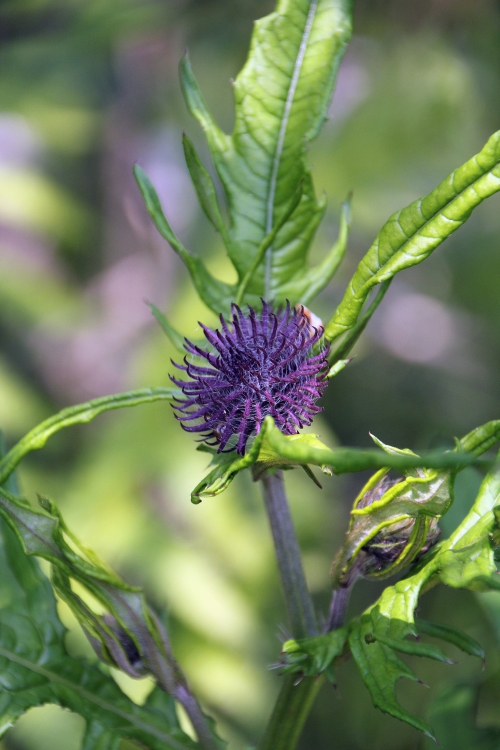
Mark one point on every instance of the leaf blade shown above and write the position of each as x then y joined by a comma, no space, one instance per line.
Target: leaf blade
79,414
281,96
215,294
411,234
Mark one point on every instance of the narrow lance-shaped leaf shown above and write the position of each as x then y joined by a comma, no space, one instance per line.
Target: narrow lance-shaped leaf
281,98
410,235
215,294
306,286
79,414
205,189
175,338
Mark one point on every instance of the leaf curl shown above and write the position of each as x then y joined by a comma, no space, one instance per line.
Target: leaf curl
411,234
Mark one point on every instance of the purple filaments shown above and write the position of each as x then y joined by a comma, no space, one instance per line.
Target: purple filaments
263,364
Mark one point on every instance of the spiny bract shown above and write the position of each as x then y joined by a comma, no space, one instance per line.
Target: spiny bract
263,364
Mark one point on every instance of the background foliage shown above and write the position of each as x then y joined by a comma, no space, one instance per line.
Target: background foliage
89,87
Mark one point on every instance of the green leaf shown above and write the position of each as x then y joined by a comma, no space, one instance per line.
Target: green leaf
128,635
35,667
281,97
215,294
267,242
205,188
411,234
446,633
380,669
314,656
355,332
482,438
306,286
465,560
415,648
272,448
174,336
80,414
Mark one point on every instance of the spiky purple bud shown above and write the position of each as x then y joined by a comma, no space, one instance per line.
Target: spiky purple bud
263,365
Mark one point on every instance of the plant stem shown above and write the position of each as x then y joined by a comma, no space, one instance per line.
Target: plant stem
290,713
294,701
338,607
298,601
205,737
172,680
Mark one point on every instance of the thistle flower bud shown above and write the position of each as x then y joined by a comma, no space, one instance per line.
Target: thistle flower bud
263,364
393,523
384,551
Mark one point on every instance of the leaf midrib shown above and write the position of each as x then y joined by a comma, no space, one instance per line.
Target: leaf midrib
104,705
281,137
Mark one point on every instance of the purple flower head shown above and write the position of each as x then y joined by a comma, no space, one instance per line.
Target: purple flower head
263,364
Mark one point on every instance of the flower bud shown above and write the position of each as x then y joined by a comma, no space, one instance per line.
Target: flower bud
114,646
393,522
384,554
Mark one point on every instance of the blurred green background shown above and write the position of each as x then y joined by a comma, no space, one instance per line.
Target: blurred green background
88,87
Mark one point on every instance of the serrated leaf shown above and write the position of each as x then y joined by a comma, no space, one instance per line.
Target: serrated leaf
415,648
380,669
129,635
98,737
35,667
411,234
79,414
465,560
281,96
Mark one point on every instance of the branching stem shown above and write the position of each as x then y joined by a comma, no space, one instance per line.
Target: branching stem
294,700
338,607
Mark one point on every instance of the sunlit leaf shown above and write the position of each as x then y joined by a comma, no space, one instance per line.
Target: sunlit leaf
411,234
79,414
281,97
272,448
465,560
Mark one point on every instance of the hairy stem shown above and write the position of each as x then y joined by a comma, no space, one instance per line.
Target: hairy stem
298,601
338,607
290,713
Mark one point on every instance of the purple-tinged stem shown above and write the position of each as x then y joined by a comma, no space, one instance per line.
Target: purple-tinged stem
298,600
